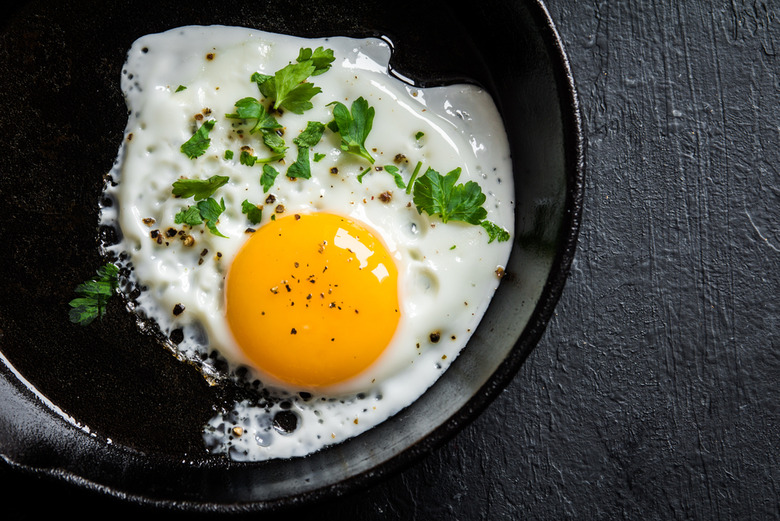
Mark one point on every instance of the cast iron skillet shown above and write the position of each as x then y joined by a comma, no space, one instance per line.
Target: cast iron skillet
105,406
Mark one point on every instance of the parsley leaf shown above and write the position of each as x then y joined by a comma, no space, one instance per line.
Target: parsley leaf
494,231
189,216
206,211
288,88
318,157
354,126
247,159
438,194
321,59
311,134
228,155
297,99
306,139
94,295
197,188
180,88
253,212
275,142
251,108
268,177
260,79
196,145
210,210
301,168
393,170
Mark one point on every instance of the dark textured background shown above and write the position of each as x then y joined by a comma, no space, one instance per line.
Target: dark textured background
653,393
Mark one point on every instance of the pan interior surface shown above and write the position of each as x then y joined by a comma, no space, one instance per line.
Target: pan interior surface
105,406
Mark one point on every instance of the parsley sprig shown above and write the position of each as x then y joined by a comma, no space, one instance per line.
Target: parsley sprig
253,212
288,88
94,295
437,194
197,188
207,210
301,168
320,57
251,108
494,231
197,145
353,125
310,136
268,177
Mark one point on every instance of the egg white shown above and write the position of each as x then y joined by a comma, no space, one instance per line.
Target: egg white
447,273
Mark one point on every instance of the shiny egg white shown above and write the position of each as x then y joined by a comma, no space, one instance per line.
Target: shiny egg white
447,273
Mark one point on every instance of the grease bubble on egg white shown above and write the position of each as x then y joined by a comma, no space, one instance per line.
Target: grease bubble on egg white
446,273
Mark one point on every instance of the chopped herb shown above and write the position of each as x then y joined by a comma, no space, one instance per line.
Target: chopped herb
94,295
362,174
311,135
438,194
268,177
354,126
180,88
197,188
247,159
301,168
419,135
265,123
207,211
196,145
228,154
253,212
495,232
275,142
414,177
251,108
321,59
288,87
318,157
210,210
393,170
189,216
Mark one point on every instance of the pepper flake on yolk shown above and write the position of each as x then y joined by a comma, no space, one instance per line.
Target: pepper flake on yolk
312,299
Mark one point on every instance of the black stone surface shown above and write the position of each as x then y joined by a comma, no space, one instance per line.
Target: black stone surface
653,394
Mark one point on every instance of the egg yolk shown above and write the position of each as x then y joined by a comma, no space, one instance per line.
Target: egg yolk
312,299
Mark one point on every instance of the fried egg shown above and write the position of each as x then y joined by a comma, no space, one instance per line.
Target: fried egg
343,302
